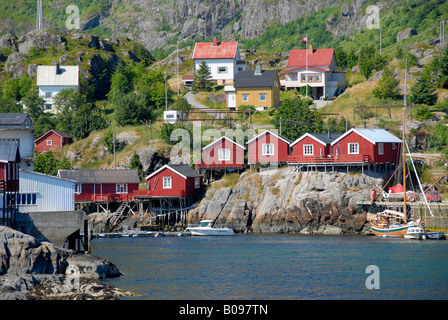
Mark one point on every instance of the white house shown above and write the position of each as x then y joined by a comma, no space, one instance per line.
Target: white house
173,116
40,192
52,79
316,68
19,127
223,59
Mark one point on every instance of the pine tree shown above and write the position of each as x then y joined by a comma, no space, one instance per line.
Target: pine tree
202,78
422,92
443,64
387,86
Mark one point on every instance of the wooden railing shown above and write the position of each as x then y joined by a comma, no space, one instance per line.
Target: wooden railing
202,164
352,158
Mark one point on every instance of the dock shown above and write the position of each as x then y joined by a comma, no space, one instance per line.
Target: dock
140,234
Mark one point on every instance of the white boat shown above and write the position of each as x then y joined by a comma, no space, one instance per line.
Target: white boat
205,228
417,233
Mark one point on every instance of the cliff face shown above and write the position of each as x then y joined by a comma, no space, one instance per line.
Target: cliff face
282,201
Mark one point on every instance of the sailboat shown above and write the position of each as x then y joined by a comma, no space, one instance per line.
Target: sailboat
392,223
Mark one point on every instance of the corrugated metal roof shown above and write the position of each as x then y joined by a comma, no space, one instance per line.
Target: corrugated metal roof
101,176
47,76
206,50
8,151
373,135
246,79
12,119
319,57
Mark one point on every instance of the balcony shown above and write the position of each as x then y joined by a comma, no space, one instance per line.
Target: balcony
351,158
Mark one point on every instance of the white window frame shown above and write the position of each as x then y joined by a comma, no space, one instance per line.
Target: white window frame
222,70
197,182
353,148
245,97
48,94
380,148
49,142
224,154
27,199
78,188
263,95
308,150
267,149
121,188
167,182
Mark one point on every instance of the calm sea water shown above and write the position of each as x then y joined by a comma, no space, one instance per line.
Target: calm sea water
286,267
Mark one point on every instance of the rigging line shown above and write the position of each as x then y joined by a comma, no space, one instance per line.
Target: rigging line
420,185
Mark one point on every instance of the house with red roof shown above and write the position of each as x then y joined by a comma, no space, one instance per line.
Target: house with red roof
223,59
316,68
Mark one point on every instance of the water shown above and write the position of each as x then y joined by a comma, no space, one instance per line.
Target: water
286,267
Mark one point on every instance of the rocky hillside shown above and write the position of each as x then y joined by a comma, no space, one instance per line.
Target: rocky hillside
284,200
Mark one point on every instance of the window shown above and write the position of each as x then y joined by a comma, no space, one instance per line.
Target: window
47,106
78,188
353,148
380,148
166,182
49,142
318,77
222,70
48,94
308,149
245,97
26,199
224,154
197,183
262,96
267,149
303,77
121,188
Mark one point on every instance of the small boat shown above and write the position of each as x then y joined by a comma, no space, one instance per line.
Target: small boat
205,228
435,235
417,233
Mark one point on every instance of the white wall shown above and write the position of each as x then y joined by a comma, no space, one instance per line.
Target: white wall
214,64
52,193
54,90
26,144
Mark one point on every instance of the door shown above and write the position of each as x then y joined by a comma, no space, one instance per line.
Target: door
231,100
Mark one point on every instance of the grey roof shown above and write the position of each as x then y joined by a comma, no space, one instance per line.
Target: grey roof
249,78
8,151
325,137
101,176
186,170
378,135
52,76
13,119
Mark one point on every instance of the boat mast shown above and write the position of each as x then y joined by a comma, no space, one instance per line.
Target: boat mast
404,168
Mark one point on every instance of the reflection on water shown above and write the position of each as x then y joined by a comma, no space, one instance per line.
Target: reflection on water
287,267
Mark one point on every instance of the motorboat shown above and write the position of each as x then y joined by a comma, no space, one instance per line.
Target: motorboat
417,233
435,235
205,228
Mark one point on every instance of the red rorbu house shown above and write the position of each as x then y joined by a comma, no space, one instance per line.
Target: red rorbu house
313,148
51,140
367,145
9,181
103,185
268,147
222,153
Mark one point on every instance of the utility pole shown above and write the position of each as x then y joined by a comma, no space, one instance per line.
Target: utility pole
177,60
166,96
405,81
115,163
381,37
40,16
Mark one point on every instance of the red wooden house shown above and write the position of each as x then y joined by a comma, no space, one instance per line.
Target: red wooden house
103,185
368,146
174,180
268,147
222,153
51,140
9,166
313,148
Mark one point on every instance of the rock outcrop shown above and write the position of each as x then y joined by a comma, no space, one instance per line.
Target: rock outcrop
30,269
283,200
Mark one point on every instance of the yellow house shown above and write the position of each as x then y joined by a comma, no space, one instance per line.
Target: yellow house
260,88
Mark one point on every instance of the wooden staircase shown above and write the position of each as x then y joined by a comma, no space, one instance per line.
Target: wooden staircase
117,215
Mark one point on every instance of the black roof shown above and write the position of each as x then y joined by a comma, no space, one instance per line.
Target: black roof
250,78
186,170
101,176
13,119
327,138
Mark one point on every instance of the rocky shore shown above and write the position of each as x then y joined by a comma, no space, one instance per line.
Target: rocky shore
33,270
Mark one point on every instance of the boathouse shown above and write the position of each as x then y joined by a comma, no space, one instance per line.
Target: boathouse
222,153
367,145
102,185
313,148
9,182
53,139
268,147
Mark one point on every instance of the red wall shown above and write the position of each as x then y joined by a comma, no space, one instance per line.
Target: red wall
12,184
58,142
179,186
211,155
281,149
319,148
89,189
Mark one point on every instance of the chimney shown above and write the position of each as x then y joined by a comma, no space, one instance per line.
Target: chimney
215,42
310,49
329,134
365,125
58,70
258,71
